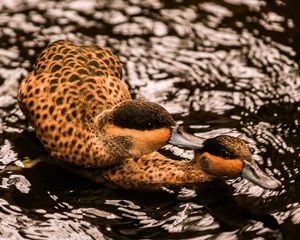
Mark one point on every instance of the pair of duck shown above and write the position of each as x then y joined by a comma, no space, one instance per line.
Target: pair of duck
83,114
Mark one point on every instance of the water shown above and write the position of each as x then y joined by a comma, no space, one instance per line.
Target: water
220,67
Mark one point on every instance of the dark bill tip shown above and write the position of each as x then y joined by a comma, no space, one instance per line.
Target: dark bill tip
181,138
254,174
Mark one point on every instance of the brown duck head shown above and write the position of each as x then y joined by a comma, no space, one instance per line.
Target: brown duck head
142,127
230,156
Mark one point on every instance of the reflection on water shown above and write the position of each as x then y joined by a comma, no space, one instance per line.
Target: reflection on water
218,66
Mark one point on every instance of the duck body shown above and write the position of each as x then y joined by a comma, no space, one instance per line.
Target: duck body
80,108
83,114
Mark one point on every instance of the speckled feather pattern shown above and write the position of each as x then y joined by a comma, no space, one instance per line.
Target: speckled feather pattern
69,86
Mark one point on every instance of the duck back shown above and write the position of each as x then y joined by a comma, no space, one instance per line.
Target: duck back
69,86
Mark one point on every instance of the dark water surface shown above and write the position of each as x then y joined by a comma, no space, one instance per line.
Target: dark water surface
220,67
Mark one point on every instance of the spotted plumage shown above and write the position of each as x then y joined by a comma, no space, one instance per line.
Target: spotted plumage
66,96
69,86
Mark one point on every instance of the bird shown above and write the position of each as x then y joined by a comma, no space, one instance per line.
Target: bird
220,156
83,114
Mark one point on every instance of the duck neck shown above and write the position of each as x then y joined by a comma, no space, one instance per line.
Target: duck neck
106,149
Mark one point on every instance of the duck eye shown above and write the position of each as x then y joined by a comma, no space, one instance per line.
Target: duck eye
224,154
149,125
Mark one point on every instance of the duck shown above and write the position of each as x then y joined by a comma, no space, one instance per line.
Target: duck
83,114
219,157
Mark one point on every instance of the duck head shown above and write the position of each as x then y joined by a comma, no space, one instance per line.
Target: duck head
229,156
142,127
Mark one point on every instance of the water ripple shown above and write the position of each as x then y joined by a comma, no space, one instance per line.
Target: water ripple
221,67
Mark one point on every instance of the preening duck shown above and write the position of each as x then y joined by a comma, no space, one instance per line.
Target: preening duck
83,114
